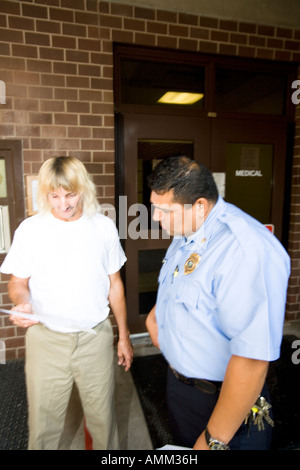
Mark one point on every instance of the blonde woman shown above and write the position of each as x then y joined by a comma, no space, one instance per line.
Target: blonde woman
65,267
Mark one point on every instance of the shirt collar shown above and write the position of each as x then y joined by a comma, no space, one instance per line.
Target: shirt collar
201,238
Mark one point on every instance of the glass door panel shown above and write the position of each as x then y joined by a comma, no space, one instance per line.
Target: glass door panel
252,155
151,152
147,140
249,176
149,264
162,84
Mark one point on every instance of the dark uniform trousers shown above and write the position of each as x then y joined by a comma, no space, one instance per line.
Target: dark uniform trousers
190,409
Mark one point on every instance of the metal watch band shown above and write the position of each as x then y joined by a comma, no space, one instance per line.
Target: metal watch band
214,444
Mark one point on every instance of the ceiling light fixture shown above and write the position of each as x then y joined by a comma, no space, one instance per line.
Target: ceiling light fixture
175,97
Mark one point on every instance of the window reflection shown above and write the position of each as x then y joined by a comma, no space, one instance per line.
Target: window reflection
145,83
245,91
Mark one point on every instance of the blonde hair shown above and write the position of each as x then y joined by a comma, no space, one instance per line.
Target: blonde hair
70,174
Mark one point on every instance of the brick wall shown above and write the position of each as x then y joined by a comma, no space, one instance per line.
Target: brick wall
56,61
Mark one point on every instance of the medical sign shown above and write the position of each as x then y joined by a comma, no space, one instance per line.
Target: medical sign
249,174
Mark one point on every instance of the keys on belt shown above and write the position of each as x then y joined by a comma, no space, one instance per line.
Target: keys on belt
205,386
260,412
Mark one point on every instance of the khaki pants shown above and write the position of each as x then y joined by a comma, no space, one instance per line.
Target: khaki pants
53,362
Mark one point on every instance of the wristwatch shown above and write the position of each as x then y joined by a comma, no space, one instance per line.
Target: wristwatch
214,444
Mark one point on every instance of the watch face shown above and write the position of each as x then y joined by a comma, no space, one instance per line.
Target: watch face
216,446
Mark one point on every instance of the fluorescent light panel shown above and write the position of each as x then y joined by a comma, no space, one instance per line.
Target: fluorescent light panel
177,97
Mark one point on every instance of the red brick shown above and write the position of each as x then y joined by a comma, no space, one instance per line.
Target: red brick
237,38
227,49
89,44
78,5
208,22
34,11
175,30
121,10
78,107
11,35
200,33
167,42
228,25
265,53
92,144
86,18
145,13
90,120
110,21
48,27
122,36
4,49
292,45
64,68
284,32
247,28
221,36
60,14
188,44
51,53
208,46
16,22
167,16
74,30
7,6
39,65
246,51
90,70
19,50
65,119
77,56
64,42
134,24
185,18
266,30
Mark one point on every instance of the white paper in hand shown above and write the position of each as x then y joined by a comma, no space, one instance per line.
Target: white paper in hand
44,320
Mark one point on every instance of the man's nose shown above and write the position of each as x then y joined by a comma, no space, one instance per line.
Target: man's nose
156,215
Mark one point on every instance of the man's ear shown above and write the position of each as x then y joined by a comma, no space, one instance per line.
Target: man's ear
200,207
204,207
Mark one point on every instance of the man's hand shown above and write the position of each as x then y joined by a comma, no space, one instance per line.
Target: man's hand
152,327
201,443
243,382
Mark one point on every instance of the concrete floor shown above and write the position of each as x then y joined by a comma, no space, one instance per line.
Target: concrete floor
133,431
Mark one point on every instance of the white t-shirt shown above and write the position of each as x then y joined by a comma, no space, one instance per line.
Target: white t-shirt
68,264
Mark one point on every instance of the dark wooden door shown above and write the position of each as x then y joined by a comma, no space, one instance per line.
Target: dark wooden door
147,139
248,158
252,154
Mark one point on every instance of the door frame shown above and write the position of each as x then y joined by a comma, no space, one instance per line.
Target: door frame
11,151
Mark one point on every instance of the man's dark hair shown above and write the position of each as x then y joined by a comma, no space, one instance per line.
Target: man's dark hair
188,178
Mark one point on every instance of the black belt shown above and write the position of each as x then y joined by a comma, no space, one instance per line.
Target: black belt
205,386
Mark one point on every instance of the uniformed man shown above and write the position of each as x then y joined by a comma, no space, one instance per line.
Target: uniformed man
220,310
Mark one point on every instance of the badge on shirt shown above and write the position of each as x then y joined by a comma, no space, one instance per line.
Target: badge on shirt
191,263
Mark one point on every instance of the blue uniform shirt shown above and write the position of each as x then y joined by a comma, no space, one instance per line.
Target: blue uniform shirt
229,301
